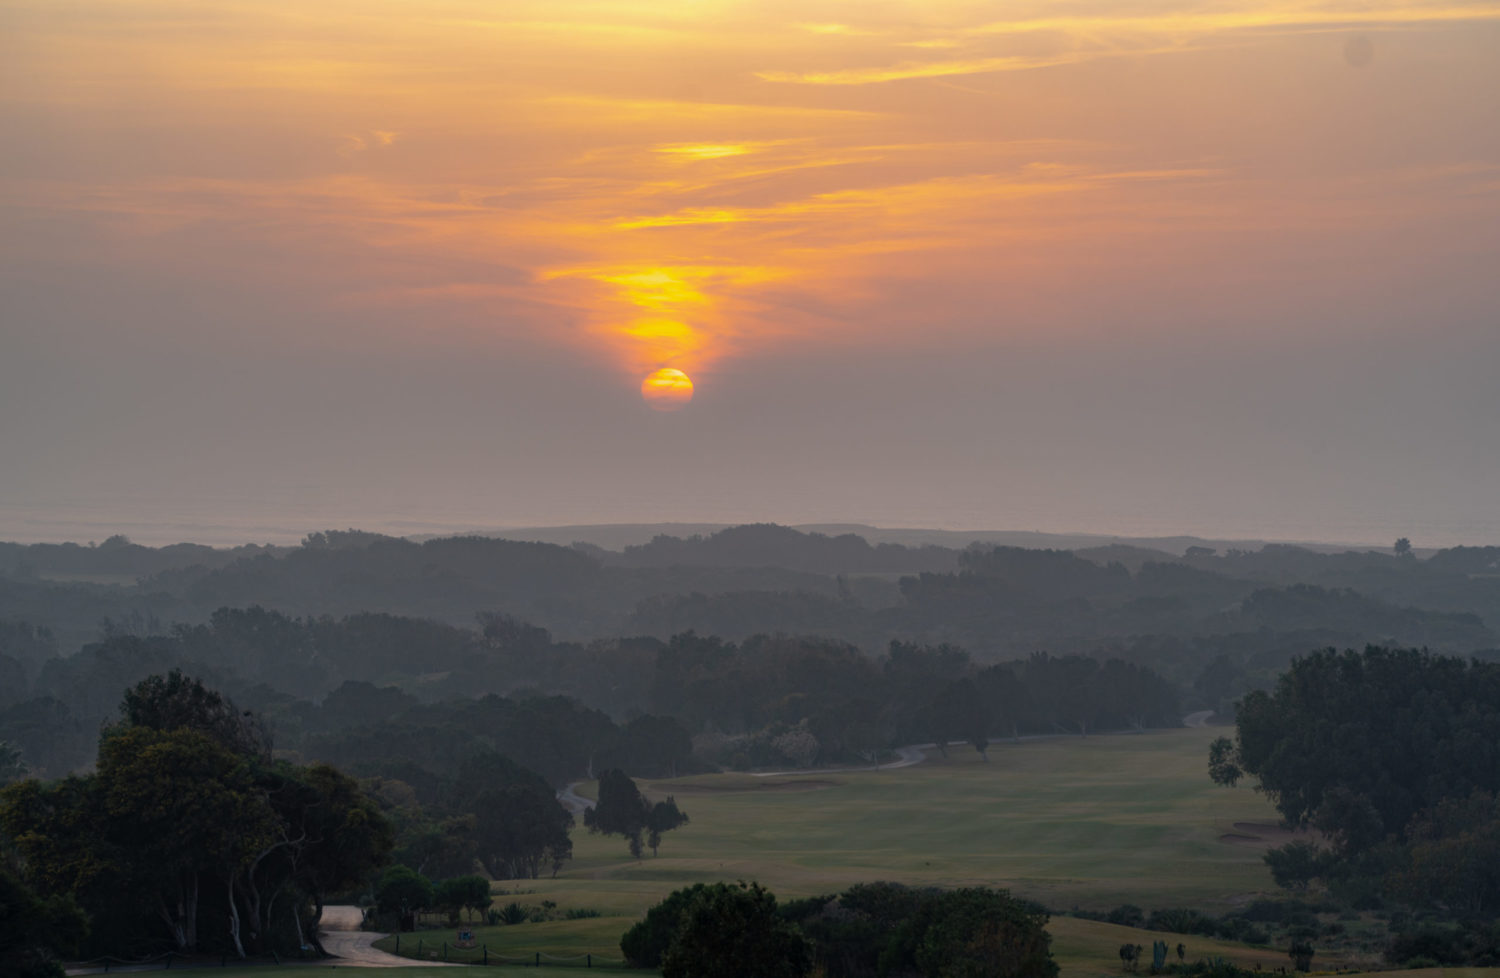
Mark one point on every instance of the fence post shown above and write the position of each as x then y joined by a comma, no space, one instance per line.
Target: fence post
539,959
590,962
486,954
419,949
445,950
398,942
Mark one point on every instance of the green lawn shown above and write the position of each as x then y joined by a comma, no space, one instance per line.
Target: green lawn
332,971
1091,823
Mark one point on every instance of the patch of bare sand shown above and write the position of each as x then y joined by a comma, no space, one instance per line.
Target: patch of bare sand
1265,835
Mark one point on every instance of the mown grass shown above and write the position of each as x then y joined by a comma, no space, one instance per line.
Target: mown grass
1092,822
427,972
332,970
1072,822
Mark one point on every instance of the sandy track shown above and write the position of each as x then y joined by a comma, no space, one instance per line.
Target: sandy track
343,939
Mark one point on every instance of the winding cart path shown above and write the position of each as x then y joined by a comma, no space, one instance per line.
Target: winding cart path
343,939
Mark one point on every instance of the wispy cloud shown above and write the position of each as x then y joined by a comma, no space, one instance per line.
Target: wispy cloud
1086,37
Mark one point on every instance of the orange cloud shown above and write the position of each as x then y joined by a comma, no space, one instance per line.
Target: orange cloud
664,184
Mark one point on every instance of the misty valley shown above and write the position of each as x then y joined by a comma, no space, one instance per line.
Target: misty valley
756,750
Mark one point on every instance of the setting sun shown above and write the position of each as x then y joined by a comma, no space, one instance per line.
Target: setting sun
667,389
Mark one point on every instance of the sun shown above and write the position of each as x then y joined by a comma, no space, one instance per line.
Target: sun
667,389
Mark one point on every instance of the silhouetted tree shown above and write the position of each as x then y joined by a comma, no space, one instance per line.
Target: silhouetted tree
663,816
733,931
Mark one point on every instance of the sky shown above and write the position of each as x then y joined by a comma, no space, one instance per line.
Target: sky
1116,266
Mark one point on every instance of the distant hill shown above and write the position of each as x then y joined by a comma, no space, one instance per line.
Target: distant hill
618,536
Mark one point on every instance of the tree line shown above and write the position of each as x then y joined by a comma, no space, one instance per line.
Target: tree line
1001,603
770,700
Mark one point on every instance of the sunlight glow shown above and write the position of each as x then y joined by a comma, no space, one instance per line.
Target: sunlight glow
667,389
653,182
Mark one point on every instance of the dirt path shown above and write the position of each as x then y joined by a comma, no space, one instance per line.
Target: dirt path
1199,719
343,939
905,757
572,800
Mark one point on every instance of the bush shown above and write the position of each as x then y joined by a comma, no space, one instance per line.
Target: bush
1127,915
512,913
646,942
1179,920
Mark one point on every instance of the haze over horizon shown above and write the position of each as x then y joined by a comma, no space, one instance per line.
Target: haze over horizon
1153,267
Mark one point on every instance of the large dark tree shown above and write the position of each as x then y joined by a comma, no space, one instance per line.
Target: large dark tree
219,849
519,826
733,931
983,933
1357,743
662,816
177,702
620,810
646,943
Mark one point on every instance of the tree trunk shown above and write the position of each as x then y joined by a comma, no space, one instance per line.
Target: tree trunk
182,919
317,922
297,920
234,917
252,906
265,927
174,924
192,912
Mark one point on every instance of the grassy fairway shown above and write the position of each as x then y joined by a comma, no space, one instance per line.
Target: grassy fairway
333,971
1070,822
1090,822
416,972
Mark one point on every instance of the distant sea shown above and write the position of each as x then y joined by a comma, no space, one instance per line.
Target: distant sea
228,523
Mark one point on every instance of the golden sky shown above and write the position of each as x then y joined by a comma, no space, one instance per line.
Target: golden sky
675,183
714,186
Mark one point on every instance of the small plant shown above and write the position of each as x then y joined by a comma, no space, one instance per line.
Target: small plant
512,913
580,913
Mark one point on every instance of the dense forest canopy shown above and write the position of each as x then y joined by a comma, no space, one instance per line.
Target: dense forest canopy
767,634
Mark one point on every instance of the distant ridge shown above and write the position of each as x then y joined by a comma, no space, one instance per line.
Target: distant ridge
618,536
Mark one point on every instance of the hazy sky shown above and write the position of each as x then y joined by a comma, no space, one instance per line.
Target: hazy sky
1109,265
